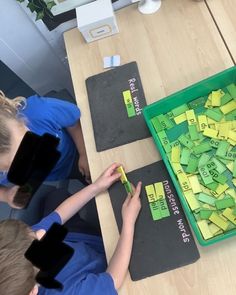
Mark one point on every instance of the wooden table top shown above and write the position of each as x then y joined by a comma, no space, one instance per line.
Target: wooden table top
174,48
223,12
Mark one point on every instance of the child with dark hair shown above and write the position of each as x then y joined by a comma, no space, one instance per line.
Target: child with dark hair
86,273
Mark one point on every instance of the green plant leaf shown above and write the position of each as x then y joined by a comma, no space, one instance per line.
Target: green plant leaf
20,1
40,15
50,5
31,6
42,3
39,4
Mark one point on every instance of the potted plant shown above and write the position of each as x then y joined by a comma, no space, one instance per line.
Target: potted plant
42,8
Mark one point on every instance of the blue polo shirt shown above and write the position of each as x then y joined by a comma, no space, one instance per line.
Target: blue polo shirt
51,115
85,273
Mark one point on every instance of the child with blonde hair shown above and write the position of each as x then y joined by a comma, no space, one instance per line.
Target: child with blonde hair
41,115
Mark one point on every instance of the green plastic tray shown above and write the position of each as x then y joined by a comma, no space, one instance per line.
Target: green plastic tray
172,101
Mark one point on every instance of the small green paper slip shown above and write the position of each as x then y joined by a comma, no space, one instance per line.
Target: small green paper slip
211,165
156,124
216,97
129,103
192,201
230,156
228,213
159,190
197,103
151,193
128,187
214,142
214,115
130,110
191,118
164,208
215,230
222,148
206,199
225,161
195,184
180,110
202,122
225,203
205,174
185,155
232,90
157,202
180,119
230,117
194,135
202,148
205,229
155,210
175,154
205,213
185,141
211,186
184,182
175,143
220,167
234,169
160,194
165,141
219,221
221,188
165,122
218,177
226,98
192,165
204,158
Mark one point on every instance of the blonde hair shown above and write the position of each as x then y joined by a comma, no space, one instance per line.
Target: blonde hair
9,110
17,273
12,105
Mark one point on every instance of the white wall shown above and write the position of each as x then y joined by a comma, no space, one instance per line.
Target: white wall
36,55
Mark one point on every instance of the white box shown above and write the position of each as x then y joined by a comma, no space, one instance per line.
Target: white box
96,20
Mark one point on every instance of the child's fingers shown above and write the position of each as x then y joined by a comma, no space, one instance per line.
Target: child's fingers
128,198
137,190
115,177
112,168
133,187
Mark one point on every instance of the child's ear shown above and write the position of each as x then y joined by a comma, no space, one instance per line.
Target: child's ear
34,291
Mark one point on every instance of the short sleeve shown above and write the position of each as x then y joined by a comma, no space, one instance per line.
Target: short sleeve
3,178
96,284
62,113
47,221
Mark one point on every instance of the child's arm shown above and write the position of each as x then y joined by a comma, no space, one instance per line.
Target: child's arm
77,136
73,204
119,262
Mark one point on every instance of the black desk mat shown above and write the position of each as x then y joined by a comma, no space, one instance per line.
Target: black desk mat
162,245
111,125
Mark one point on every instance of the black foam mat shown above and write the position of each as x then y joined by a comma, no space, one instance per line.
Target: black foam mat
162,245
111,125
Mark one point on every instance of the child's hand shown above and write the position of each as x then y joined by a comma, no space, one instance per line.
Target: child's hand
84,167
108,177
131,207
